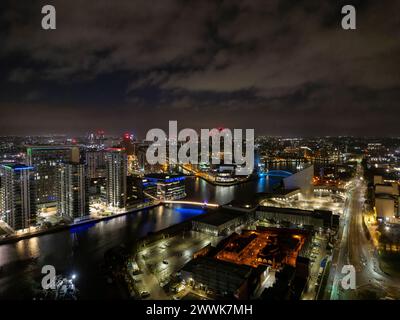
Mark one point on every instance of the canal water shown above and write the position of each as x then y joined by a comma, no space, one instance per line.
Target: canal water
81,250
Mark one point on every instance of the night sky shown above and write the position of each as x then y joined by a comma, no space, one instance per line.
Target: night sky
282,67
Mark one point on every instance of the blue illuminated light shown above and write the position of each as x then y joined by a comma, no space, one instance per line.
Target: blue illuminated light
23,168
169,180
191,211
18,167
81,228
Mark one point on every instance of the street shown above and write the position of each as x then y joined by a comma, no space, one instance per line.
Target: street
353,248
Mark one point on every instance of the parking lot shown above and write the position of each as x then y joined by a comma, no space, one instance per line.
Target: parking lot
318,253
161,259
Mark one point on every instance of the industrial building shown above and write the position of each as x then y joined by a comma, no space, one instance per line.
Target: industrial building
317,218
220,222
226,220
273,247
242,265
222,277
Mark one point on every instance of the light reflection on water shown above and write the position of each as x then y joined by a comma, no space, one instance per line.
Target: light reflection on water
80,250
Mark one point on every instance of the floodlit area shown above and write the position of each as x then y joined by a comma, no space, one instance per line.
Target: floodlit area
322,200
272,246
161,260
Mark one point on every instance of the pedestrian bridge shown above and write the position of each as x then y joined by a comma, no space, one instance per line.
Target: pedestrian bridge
191,203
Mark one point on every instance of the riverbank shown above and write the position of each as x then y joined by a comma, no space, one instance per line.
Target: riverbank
16,238
230,184
221,184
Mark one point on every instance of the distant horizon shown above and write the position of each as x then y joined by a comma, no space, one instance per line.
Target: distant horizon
142,137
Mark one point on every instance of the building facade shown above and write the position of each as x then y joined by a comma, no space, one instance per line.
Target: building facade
116,177
46,161
17,194
165,186
134,191
96,164
301,180
73,193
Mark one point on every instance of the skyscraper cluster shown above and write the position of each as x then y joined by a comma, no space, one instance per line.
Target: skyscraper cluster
63,180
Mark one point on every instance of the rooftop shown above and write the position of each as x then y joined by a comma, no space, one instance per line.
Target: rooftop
218,266
295,211
218,216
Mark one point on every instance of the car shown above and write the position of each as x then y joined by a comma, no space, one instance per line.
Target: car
144,294
165,262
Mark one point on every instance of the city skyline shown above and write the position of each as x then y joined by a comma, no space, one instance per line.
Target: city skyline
280,68
221,150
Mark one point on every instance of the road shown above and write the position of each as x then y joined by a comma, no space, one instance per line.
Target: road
354,248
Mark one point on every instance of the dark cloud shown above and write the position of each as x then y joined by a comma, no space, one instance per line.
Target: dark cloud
279,66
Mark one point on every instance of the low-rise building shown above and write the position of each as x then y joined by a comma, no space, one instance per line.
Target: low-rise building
317,218
220,222
165,186
224,278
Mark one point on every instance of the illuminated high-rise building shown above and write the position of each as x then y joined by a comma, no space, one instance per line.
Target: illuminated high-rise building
73,193
17,195
46,160
96,164
116,173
